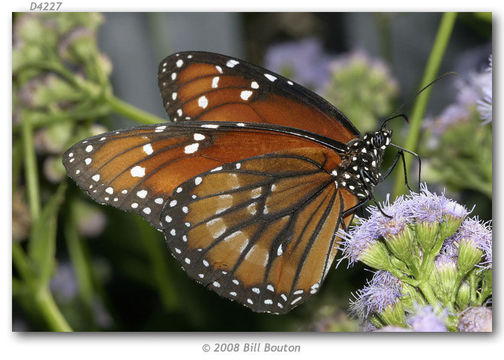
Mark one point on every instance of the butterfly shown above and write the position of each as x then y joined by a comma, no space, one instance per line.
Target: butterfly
249,183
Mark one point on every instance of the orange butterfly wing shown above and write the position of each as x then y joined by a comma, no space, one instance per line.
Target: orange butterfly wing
212,87
137,169
261,231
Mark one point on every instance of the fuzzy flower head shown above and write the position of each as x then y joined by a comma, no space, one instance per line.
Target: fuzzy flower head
303,61
430,207
416,208
477,235
369,231
426,320
382,291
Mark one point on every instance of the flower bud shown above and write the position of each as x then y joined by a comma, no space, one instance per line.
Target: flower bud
463,297
401,245
427,235
376,255
469,255
394,314
444,277
450,225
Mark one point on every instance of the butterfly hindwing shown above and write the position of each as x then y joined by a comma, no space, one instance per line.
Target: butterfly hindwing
212,87
261,231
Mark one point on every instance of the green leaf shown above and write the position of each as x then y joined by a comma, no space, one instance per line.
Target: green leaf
42,246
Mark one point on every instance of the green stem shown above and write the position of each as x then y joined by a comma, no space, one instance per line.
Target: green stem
50,311
78,256
30,168
39,119
96,92
20,262
431,70
134,113
427,292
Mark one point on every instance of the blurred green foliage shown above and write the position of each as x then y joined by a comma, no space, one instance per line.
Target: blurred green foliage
364,87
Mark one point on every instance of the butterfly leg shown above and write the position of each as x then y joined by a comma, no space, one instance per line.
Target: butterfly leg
401,153
364,175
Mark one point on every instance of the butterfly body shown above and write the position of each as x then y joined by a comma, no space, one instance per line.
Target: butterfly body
249,184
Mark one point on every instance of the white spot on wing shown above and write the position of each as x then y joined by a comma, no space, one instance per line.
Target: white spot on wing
190,149
270,77
245,94
296,300
142,194
137,171
147,148
232,63
203,102
215,82
198,137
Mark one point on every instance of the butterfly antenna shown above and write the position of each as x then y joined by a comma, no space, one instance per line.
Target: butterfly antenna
397,113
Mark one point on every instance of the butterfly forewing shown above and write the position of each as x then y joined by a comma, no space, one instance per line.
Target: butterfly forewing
213,87
137,169
260,231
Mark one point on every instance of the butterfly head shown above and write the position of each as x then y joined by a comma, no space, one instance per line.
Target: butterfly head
359,170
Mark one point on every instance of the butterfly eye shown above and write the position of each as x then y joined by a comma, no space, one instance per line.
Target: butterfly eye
378,140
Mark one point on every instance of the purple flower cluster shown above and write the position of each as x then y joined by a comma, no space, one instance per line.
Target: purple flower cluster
381,291
412,209
474,93
426,320
479,234
303,61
